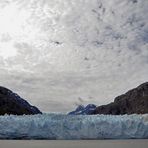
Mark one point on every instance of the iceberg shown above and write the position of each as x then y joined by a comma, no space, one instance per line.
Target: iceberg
70,127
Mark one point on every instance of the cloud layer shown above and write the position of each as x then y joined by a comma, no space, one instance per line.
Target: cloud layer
58,54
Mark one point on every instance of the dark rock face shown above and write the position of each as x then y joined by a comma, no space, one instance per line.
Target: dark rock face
134,101
81,110
11,103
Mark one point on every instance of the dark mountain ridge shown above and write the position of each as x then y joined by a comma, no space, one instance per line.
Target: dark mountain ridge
11,103
134,101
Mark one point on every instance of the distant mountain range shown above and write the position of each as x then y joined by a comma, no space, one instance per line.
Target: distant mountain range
134,101
11,103
81,110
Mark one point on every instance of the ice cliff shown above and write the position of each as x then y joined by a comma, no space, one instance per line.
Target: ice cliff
57,126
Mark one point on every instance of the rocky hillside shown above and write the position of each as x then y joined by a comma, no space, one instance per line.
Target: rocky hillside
134,101
11,103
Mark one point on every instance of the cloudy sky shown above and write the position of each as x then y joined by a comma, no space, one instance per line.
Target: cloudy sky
60,53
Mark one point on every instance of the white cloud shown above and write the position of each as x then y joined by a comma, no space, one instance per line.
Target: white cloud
55,52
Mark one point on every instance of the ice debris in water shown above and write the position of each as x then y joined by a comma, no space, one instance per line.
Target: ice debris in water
59,126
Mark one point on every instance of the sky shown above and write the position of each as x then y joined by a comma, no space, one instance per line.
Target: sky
58,54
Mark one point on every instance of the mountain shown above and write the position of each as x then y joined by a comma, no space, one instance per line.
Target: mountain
11,103
81,110
134,101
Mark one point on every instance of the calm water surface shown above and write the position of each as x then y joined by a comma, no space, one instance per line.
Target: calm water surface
74,144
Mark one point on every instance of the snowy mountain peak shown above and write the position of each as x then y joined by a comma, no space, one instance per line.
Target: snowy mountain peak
81,110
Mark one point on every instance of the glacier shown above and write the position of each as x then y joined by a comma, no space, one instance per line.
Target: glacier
71,127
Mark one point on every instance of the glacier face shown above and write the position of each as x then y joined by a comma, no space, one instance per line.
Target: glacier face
58,126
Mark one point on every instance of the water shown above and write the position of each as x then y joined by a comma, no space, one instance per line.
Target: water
74,143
